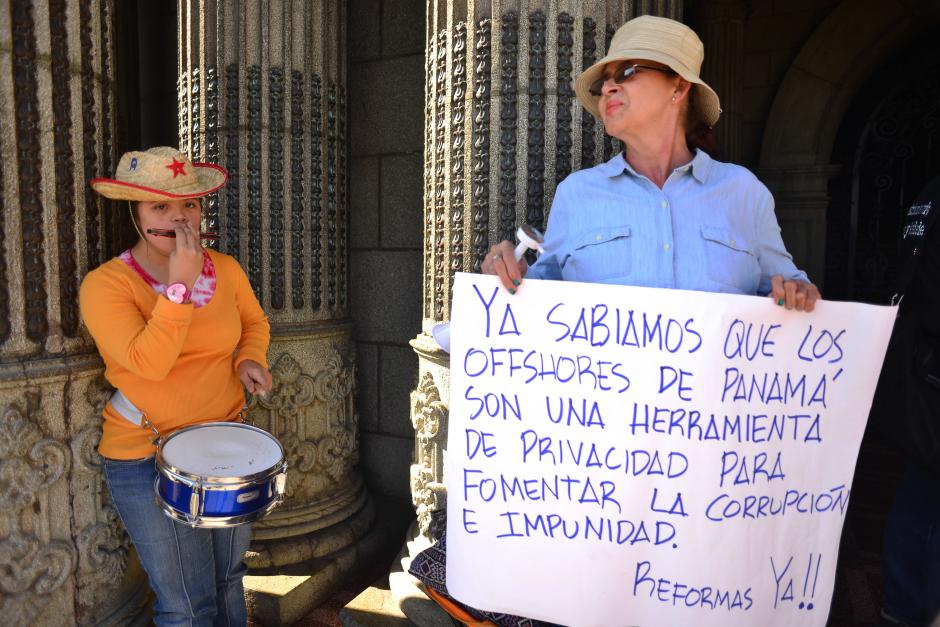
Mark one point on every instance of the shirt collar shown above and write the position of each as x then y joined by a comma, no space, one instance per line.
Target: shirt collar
701,165
615,166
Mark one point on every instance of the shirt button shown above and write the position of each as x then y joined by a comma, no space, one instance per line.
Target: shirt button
734,243
597,238
665,246
664,204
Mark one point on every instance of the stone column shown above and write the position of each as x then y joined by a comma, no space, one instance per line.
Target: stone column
502,128
262,92
64,557
721,26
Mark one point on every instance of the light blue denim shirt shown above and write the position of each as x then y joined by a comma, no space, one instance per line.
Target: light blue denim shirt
712,228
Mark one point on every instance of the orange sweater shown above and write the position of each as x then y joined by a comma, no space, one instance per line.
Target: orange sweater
174,362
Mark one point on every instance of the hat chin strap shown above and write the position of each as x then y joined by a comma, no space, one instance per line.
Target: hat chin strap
130,210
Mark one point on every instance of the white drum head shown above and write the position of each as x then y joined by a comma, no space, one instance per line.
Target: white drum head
222,450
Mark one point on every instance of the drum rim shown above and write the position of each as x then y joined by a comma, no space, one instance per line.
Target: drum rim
204,521
229,484
172,472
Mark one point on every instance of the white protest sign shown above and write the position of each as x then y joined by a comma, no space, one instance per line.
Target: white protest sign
636,456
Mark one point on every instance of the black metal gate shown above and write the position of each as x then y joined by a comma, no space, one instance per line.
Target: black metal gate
889,146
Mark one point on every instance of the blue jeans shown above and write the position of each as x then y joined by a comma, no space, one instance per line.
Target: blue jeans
912,551
195,573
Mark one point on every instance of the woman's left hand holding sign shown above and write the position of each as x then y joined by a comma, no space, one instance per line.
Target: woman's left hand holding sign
794,294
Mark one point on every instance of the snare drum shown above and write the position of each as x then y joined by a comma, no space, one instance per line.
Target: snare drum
220,474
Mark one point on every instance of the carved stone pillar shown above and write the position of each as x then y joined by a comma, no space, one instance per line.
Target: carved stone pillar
64,557
502,128
262,92
721,27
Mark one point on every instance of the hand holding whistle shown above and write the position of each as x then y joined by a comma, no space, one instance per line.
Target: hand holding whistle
495,263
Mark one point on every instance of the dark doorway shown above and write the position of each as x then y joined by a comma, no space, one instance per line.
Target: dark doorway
157,74
889,148
144,92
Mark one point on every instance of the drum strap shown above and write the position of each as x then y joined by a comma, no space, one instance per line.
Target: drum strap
122,405
126,408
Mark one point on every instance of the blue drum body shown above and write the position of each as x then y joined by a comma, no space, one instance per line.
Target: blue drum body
189,493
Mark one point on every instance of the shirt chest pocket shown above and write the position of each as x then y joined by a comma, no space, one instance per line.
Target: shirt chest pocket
600,254
731,259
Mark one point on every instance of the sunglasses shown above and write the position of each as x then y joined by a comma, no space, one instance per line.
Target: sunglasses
622,74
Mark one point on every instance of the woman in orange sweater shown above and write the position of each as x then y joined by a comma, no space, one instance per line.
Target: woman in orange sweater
180,332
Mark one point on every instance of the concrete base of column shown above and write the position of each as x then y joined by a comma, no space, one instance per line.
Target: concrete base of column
429,412
67,558
285,596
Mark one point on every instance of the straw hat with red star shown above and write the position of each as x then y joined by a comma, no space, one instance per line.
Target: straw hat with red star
160,173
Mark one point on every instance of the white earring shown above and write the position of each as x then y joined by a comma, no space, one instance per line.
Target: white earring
673,98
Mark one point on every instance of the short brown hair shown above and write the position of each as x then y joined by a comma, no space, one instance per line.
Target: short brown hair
698,134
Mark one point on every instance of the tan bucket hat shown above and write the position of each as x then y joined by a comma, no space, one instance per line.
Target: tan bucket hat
160,173
656,39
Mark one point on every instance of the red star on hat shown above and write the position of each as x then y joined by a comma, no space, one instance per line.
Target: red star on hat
177,167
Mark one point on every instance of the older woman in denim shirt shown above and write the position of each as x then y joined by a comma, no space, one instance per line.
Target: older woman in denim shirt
664,213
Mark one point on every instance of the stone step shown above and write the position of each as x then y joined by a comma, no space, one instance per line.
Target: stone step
375,606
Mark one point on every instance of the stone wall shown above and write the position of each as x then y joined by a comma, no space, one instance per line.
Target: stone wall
386,77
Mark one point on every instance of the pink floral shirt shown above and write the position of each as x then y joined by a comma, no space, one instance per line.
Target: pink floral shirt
203,289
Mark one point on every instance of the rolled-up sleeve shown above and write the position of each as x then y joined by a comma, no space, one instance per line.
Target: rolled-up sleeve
548,265
771,252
